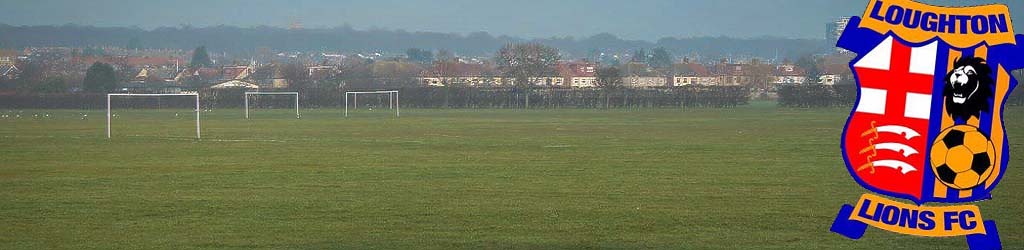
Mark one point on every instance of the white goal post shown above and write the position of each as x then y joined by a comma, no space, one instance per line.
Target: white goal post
152,95
247,94
392,99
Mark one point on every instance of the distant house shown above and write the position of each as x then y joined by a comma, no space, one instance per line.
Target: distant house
123,61
235,72
277,79
263,76
235,84
551,81
465,80
754,74
319,73
583,81
154,75
201,76
153,80
8,57
151,61
460,73
640,75
151,87
579,74
332,58
142,76
731,74
645,81
834,73
692,74
118,62
432,81
9,71
829,79
789,74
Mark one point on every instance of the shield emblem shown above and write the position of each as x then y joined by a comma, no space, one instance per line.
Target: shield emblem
906,100
927,125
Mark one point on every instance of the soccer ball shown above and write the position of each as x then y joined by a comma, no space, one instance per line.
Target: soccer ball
962,157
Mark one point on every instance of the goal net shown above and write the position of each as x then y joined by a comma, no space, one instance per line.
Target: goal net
369,100
162,115
272,101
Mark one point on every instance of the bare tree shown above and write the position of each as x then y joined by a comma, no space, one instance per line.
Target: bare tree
297,76
357,75
609,79
445,67
660,58
444,55
395,73
761,75
523,61
810,64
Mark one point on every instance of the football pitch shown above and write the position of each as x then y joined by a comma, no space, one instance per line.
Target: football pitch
753,177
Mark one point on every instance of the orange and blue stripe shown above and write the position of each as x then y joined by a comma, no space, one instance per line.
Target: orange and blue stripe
988,123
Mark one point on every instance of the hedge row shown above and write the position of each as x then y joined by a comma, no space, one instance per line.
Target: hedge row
417,97
804,96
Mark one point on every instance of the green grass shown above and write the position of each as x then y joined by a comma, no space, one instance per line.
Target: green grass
754,177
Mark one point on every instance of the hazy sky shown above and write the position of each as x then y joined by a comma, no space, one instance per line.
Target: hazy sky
636,19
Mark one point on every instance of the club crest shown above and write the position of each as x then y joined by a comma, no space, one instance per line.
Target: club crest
927,125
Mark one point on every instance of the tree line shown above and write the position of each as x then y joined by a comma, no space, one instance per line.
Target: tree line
794,96
817,95
845,95
244,42
34,78
415,97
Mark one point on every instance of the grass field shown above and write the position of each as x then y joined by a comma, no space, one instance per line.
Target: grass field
756,177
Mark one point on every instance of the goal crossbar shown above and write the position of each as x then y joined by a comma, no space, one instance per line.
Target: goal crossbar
392,99
198,135
247,94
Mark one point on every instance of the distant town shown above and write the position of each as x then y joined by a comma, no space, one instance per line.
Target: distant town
141,69
134,68
159,70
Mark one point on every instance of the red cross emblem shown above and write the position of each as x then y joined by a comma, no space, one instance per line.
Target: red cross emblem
887,135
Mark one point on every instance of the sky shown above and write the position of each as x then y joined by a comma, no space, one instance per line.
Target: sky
630,19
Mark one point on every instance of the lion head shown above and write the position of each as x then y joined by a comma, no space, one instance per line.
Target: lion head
968,88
